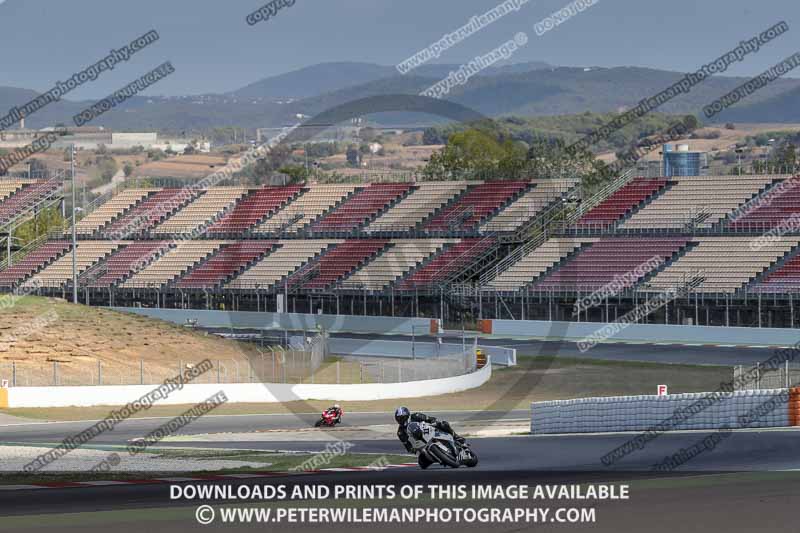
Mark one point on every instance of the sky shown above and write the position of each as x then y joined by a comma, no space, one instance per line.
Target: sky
213,48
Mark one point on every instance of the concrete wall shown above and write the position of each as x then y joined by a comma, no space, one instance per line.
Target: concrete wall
291,321
648,332
664,413
238,393
402,349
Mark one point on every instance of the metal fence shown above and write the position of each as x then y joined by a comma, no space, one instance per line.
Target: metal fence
784,377
305,362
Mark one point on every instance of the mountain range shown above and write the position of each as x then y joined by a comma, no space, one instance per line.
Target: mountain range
523,89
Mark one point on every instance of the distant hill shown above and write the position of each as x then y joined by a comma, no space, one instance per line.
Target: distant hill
525,90
324,78
784,107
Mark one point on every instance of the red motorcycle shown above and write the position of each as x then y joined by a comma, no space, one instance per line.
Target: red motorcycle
329,418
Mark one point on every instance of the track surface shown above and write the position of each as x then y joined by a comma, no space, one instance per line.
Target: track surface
695,498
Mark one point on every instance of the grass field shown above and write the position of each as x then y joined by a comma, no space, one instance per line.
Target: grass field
533,379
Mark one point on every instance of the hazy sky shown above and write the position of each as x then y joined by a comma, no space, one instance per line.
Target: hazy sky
213,49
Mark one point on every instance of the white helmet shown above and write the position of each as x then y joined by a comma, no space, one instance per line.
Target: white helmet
336,406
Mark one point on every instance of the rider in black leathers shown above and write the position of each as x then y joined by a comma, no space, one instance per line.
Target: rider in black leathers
403,416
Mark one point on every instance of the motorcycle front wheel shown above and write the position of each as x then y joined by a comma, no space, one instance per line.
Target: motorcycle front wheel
472,462
444,457
318,424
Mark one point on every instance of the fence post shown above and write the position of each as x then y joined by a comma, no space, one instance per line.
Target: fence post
141,371
218,371
13,373
758,376
787,372
99,372
55,373
337,372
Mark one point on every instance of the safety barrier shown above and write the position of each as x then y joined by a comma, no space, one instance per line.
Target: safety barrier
643,332
674,412
239,393
291,321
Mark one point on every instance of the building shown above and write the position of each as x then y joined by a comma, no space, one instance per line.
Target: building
683,162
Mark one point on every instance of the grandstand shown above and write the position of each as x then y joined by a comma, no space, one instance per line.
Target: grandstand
485,248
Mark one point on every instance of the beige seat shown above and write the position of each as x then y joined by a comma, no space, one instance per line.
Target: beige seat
417,206
315,201
291,255
394,263
528,205
706,200
537,262
723,264
173,264
59,272
202,211
110,210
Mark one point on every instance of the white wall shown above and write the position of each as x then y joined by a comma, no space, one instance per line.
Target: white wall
242,393
640,413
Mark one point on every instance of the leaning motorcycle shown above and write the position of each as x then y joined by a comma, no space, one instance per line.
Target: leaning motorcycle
434,446
328,419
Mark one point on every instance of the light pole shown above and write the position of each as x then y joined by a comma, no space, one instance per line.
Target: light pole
74,232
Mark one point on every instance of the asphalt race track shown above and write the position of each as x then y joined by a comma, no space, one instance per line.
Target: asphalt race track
715,491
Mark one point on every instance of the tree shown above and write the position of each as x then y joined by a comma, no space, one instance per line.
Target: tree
353,156
43,223
296,173
473,153
127,169
189,150
730,126
432,136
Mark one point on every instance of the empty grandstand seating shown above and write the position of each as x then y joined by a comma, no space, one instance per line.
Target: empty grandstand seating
475,205
785,278
111,210
314,201
776,207
59,272
361,207
280,263
452,260
33,262
337,263
149,212
417,206
623,201
253,209
536,262
127,262
10,186
624,261
27,197
393,263
697,201
231,260
723,264
202,211
172,264
530,204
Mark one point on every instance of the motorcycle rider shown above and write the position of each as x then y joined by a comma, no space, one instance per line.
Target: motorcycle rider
403,416
336,411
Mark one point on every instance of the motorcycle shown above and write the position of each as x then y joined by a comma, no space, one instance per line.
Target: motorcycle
328,419
434,446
